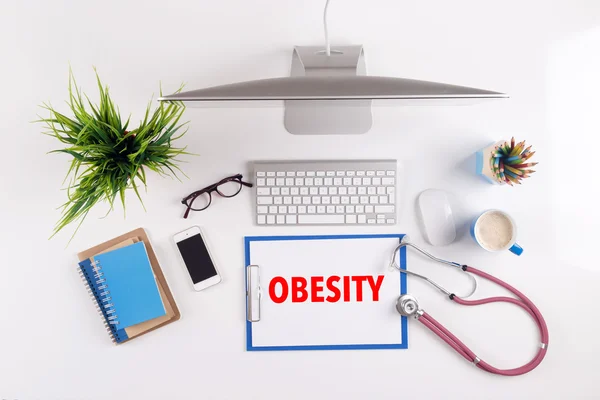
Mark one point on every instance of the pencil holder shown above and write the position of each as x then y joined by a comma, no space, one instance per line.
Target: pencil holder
504,162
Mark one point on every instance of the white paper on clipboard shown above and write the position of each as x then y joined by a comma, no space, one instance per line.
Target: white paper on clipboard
339,325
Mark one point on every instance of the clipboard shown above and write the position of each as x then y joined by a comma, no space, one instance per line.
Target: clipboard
284,313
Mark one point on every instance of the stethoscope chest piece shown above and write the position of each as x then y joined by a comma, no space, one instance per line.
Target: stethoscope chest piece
408,306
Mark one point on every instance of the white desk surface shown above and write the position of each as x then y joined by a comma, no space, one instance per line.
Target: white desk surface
544,54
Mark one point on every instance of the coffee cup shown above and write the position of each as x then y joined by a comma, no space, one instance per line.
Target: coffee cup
495,230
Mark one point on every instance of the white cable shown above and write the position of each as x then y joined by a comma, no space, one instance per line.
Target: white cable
327,44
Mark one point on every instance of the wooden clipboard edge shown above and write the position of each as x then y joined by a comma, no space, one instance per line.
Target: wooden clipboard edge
143,235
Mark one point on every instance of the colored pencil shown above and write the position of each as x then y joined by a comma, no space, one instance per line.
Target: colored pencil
512,143
528,156
513,170
513,179
512,159
524,165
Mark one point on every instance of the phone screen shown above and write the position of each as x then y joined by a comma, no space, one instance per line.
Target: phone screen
196,258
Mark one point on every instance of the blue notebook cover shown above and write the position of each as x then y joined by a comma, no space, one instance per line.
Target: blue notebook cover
125,287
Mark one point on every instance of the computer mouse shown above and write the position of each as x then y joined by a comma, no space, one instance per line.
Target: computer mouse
437,217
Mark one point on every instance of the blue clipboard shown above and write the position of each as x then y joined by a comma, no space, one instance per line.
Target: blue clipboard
404,322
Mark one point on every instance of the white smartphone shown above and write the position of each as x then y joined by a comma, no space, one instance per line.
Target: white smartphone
196,258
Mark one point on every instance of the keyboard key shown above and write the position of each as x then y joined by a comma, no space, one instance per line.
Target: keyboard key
380,173
290,173
309,182
323,191
362,219
352,190
333,190
340,173
320,173
390,173
261,191
314,190
343,190
270,173
294,191
261,219
306,200
380,190
310,173
262,209
280,181
270,182
264,200
321,219
340,209
345,200
330,173
260,173
370,173
360,173
392,198
301,173
301,209
272,209
330,209
337,181
318,181
316,200
360,209
270,219
275,191
364,199
282,210
297,200
356,181
370,221
335,200
328,181
350,173
280,173
366,181
390,221
362,190
292,209
347,181
260,182
325,200
374,200
287,200
390,190
383,199
376,181
280,219
371,190
321,209
369,209
290,181
384,209
349,209
290,219
278,200
304,191
285,191
354,200
351,219
298,182
311,209
387,181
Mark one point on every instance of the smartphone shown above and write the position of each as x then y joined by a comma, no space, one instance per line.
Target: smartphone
196,258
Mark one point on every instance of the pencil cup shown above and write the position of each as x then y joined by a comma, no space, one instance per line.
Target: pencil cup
483,166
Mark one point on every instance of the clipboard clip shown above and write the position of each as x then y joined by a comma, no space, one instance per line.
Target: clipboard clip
253,293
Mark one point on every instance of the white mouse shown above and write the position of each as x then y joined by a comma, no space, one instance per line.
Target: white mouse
437,217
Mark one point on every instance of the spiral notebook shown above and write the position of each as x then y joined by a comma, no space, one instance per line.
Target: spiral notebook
124,288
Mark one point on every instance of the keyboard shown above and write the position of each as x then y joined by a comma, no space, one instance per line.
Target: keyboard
350,192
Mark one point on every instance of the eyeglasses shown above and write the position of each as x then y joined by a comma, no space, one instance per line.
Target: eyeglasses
201,199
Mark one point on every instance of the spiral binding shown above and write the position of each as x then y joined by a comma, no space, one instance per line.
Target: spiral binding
101,298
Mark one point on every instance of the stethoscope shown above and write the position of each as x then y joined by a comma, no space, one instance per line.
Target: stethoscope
408,306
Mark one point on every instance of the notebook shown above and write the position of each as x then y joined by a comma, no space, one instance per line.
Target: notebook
172,312
329,292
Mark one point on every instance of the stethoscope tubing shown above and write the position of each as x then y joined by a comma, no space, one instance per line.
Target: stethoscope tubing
467,353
